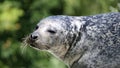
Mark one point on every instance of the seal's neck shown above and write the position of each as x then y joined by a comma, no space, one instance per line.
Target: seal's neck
59,51
76,50
69,54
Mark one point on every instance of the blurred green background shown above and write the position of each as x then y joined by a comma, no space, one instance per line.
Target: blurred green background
19,17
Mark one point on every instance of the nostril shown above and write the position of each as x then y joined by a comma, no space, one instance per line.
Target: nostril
34,37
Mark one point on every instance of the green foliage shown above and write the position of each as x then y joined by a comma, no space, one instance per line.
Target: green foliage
18,18
42,8
87,7
9,14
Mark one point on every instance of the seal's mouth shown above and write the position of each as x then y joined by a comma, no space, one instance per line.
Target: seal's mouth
29,41
32,43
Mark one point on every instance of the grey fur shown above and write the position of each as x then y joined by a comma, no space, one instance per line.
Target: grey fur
82,42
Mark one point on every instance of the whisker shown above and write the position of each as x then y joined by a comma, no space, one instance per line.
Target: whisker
24,44
23,48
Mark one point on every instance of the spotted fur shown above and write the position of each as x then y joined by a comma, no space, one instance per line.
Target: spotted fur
82,42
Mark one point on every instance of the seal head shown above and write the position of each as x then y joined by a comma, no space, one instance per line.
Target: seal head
56,34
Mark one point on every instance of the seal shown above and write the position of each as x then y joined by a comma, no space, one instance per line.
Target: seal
80,41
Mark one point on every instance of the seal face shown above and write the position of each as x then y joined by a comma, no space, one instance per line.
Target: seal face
55,33
48,34
81,42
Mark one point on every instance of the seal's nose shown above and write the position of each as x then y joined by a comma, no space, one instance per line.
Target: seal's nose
34,36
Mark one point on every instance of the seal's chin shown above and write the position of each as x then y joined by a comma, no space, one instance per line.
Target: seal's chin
40,47
37,45
32,45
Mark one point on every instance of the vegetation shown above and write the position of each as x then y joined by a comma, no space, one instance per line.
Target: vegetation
18,18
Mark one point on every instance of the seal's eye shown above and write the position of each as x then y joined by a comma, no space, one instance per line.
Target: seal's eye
51,31
36,27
